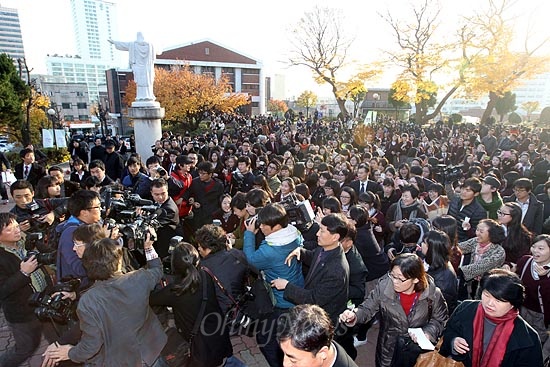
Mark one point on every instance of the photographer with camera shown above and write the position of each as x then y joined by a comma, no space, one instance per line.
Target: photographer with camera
35,215
85,208
20,277
107,338
281,238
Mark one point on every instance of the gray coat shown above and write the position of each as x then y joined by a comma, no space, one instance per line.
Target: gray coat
118,326
394,321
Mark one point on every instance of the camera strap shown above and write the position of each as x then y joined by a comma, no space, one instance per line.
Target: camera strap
220,285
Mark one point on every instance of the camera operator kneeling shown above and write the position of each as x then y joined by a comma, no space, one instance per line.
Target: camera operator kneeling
107,339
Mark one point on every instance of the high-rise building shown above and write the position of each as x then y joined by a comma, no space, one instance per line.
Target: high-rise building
11,41
93,22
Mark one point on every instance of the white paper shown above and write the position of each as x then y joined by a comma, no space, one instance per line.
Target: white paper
421,339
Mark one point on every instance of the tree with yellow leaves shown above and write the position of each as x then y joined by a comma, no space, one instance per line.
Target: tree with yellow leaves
529,107
420,58
186,96
319,43
307,100
277,107
493,67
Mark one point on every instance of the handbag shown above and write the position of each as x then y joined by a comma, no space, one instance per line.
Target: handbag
434,359
263,300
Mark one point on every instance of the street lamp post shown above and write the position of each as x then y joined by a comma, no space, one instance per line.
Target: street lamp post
53,116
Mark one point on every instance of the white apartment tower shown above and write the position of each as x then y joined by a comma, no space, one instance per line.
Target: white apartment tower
11,41
93,22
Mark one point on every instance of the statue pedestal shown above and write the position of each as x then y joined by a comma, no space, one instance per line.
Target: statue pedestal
147,126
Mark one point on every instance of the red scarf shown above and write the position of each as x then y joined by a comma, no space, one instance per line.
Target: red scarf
494,354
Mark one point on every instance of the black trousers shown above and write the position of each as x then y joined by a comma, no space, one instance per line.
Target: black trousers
27,337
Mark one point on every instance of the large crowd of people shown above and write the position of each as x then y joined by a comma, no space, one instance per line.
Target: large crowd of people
444,227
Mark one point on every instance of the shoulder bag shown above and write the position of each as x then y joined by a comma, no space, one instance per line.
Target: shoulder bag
434,359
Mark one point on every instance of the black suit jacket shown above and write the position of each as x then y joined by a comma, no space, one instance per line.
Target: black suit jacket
35,173
372,186
326,284
169,220
535,213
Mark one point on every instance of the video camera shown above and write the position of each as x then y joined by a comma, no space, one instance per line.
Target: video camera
55,308
300,213
120,211
448,174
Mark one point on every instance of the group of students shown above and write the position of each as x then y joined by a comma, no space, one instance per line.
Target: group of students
381,237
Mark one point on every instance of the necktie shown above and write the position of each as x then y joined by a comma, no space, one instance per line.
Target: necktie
26,172
362,190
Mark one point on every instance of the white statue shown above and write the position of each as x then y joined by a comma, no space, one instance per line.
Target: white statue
142,63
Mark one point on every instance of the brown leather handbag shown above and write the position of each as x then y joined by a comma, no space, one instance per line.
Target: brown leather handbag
434,359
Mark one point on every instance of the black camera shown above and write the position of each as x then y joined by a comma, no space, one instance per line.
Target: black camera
300,213
36,225
249,220
55,308
162,172
448,174
47,258
34,240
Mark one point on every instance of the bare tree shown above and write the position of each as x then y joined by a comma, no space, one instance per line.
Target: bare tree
319,43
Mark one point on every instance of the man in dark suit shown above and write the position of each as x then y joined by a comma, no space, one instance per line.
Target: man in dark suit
168,219
532,209
114,163
28,169
327,282
310,325
97,151
272,145
363,184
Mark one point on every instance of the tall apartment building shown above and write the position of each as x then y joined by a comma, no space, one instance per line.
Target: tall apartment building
93,22
11,41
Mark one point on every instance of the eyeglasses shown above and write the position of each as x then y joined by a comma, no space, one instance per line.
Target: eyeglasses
76,244
93,207
394,278
518,189
501,213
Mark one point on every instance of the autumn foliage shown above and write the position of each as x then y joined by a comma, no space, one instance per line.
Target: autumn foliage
185,95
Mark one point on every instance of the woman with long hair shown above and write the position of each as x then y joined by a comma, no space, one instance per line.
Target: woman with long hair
191,286
405,298
260,182
47,188
518,237
287,189
348,198
448,224
435,247
79,172
371,202
229,221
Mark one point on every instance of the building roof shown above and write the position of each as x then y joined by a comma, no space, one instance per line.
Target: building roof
206,51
